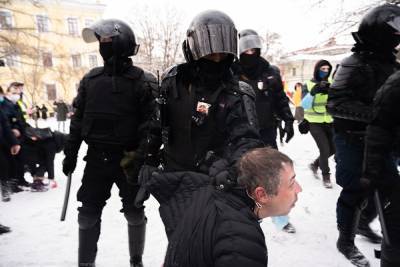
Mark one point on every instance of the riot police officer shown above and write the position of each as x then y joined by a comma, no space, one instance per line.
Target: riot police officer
265,79
210,115
112,105
382,146
350,103
272,104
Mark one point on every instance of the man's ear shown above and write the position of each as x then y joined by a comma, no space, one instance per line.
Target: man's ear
260,195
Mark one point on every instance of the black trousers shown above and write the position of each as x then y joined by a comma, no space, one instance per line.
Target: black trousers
101,172
390,256
323,137
4,164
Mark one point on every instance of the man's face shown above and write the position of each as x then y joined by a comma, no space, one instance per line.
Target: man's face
284,201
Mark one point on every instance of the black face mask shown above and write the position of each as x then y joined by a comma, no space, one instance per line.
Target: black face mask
211,72
249,60
106,50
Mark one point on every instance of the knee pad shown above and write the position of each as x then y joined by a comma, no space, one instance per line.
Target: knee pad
135,217
88,220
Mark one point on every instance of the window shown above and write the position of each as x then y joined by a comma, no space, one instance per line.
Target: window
43,23
293,71
47,59
51,91
5,20
73,26
12,60
88,22
93,61
76,61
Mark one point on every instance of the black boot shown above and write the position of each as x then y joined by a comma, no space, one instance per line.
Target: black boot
345,243
4,229
314,168
366,231
136,237
89,232
326,180
5,191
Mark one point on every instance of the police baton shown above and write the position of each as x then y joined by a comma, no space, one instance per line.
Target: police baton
379,208
66,197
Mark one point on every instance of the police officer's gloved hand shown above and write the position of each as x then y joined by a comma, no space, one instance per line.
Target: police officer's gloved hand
145,175
69,165
131,164
367,186
320,88
289,130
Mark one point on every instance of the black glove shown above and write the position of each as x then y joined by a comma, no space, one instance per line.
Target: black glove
219,172
145,174
69,164
288,130
320,88
304,126
131,164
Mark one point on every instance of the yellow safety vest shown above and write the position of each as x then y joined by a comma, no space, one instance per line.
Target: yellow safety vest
317,113
24,109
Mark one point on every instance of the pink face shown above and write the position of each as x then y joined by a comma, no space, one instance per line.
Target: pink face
285,199
251,51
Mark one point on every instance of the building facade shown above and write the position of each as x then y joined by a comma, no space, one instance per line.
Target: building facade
41,46
298,66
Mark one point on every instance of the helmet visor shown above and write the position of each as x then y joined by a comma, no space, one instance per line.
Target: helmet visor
248,42
101,28
210,39
395,24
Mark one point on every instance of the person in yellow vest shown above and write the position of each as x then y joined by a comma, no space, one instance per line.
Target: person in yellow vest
18,87
319,120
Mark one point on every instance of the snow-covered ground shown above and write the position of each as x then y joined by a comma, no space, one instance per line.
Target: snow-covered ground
38,238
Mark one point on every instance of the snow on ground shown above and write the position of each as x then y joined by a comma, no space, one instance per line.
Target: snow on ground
38,238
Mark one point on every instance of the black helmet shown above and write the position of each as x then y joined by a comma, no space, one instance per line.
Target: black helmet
124,41
249,39
210,32
379,28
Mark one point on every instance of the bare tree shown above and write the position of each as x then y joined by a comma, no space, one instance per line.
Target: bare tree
272,46
160,35
342,21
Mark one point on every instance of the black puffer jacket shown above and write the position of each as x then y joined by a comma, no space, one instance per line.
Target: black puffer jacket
271,100
205,226
353,89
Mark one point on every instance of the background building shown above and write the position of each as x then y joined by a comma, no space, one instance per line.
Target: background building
298,66
41,46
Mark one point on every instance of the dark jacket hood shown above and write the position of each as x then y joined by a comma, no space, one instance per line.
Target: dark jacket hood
318,65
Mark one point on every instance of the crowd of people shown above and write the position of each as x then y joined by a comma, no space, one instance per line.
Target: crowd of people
203,141
24,148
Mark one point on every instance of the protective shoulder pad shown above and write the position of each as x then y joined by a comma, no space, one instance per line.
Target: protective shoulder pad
133,72
95,72
150,79
170,72
352,61
246,89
